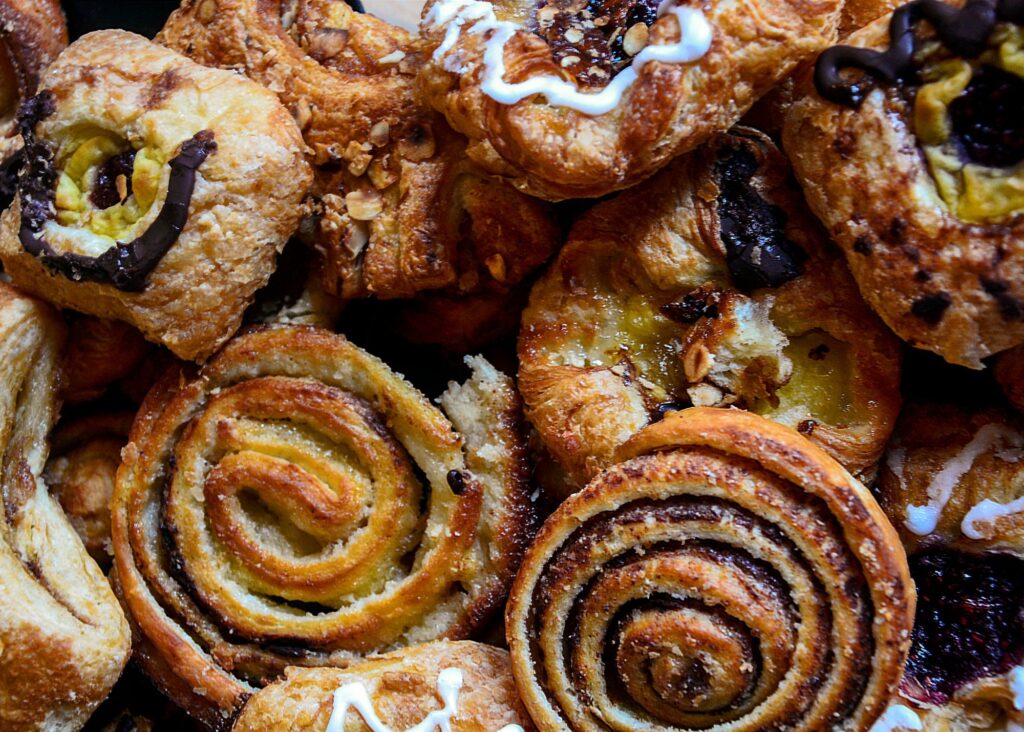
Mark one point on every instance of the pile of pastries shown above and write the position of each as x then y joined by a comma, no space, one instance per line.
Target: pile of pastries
594,365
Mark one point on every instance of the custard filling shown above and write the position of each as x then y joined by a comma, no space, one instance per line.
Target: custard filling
972,137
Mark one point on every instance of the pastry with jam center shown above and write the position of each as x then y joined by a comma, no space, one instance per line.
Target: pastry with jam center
154,191
579,98
952,484
708,285
910,148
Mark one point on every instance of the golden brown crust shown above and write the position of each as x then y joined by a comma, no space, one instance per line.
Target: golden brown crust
293,514
100,352
721,532
941,282
557,153
859,13
398,208
32,34
969,455
63,636
84,456
642,312
402,687
244,206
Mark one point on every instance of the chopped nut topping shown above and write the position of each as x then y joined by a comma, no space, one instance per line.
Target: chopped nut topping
326,43
364,205
574,35
206,11
392,58
380,134
635,39
303,113
380,175
568,61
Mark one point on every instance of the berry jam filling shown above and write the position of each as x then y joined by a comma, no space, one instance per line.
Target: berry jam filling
595,39
969,623
108,191
753,230
988,125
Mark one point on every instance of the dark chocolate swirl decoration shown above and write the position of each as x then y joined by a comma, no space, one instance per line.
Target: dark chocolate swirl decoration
727,573
126,265
964,31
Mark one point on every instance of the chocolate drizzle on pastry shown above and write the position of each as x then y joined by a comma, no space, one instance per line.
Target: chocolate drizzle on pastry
126,266
964,31
753,231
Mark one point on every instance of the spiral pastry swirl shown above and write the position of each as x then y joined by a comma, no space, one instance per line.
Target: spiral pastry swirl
63,639
298,503
728,574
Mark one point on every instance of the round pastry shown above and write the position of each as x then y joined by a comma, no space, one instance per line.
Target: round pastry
911,152
458,686
728,574
578,99
298,503
99,353
398,208
64,640
710,284
84,457
953,485
155,191
32,34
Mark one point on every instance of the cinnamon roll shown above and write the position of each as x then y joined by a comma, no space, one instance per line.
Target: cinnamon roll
297,503
156,191
398,207
573,99
953,485
32,34
63,637
911,151
84,457
99,354
711,285
460,686
727,573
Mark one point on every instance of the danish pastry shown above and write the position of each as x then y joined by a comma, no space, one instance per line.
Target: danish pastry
577,99
32,34
911,152
100,353
297,503
398,208
156,191
63,637
710,284
953,485
84,457
459,686
727,573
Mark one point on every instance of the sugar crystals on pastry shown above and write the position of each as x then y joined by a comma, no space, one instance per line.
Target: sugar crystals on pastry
578,99
398,209
297,503
709,284
953,485
459,686
911,151
155,190
63,637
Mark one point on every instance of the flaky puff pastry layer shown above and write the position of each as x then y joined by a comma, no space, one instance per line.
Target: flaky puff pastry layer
64,639
33,34
648,308
948,460
399,209
402,688
299,503
726,573
244,206
942,283
557,152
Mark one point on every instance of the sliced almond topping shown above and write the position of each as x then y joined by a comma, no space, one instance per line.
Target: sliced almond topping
635,39
364,205
574,35
380,134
